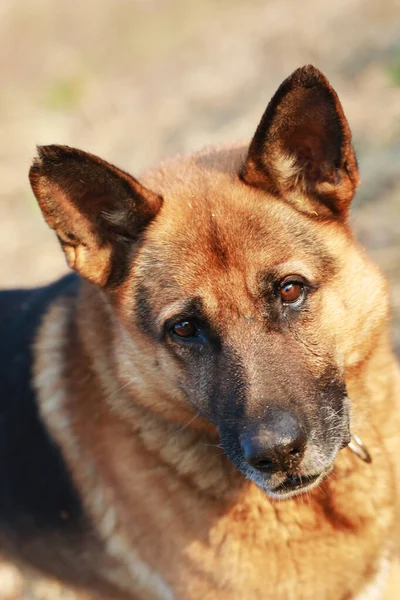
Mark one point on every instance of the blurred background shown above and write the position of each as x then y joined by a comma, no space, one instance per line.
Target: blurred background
137,80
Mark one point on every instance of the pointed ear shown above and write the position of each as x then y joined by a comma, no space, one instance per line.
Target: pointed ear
302,148
97,211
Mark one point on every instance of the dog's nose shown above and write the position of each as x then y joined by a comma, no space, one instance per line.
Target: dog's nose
278,445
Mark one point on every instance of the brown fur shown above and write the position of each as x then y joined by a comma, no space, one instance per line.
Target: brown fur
142,441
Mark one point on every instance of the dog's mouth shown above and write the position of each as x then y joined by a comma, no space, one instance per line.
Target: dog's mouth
296,485
291,485
281,486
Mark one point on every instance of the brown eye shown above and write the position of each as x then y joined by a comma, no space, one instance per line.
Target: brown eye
184,329
291,291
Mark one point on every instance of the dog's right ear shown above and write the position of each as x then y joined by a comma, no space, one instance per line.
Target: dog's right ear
96,210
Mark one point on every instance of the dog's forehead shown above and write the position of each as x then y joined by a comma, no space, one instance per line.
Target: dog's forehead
227,231
213,223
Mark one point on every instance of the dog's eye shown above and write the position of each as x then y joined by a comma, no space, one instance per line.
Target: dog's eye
185,330
291,292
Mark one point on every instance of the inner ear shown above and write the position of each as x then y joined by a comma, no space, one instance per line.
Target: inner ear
97,210
302,146
308,129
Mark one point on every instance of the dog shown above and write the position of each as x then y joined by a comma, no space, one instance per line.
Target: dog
208,408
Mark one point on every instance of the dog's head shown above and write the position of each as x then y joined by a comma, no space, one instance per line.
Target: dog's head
236,284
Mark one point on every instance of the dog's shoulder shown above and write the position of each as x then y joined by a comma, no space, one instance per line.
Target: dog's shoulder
35,487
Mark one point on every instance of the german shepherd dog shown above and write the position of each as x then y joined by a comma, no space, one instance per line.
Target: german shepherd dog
185,418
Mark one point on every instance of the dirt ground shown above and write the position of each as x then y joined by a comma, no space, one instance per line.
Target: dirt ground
137,80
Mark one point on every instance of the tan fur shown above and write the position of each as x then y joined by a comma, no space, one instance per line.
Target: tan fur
170,507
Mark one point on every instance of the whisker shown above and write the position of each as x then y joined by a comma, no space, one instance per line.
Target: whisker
213,445
122,387
185,425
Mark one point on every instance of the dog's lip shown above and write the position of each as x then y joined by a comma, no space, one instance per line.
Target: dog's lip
297,483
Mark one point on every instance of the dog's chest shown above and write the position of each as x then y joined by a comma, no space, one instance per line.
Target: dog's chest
296,550
279,554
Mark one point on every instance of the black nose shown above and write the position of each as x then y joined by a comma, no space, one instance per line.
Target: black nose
277,445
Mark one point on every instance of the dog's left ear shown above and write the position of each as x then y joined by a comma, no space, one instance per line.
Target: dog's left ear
302,148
